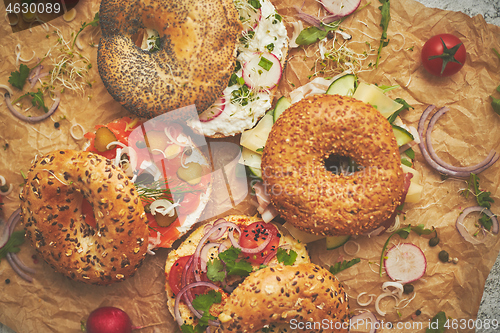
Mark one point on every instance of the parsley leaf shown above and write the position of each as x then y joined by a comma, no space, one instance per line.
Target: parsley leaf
93,23
495,103
384,23
340,266
18,78
313,34
12,245
215,270
36,99
233,266
287,258
203,303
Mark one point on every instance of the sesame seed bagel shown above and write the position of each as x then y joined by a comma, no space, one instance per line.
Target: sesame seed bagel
196,56
51,209
188,247
304,292
319,201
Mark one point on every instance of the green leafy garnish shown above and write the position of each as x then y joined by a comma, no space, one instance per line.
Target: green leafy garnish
406,162
437,323
154,42
495,102
215,270
483,199
270,47
388,88
287,258
203,303
255,3
403,233
384,23
93,23
340,266
265,63
410,153
260,150
18,78
313,34
496,52
12,245
233,265
396,113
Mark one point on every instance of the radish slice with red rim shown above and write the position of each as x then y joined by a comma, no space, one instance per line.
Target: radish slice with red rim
213,111
341,7
405,263
262,72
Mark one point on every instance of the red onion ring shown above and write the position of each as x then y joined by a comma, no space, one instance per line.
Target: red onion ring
32,120
177,313
21,264
13,220
362,317
18,270
470,169
465,234
434,161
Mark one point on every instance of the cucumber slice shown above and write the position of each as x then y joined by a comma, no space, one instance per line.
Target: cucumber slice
344,85
402,136
255,138
252,160
281,105
373,95
333,242
300,235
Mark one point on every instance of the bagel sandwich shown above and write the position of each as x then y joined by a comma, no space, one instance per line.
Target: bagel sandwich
248,292
192,62
171,173
261,59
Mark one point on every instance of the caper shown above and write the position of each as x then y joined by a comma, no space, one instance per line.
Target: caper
408,288
4,188
147,208
433,241
165,220
444,256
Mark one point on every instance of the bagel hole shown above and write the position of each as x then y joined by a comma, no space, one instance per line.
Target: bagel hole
147,39
88,213
339,164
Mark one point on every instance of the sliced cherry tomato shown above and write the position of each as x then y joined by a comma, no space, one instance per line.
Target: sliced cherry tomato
175,277
88,213
443,55
254,235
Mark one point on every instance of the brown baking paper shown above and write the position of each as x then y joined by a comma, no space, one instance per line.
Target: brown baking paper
463,136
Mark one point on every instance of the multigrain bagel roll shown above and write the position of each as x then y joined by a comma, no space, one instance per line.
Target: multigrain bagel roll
315,199
51,210
302,293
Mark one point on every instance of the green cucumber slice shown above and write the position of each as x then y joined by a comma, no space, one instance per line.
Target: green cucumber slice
281,105
344,85
255,171
333,242
402,136
252,160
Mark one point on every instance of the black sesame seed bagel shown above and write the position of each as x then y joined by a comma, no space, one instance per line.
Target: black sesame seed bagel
305,293
195,60
51,210
319,201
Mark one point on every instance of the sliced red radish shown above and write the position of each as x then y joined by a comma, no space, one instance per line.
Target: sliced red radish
341,7
405,263
263,71
213,111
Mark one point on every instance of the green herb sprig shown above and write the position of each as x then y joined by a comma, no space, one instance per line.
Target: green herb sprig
483,199
93,23
12,245
340,266
385,10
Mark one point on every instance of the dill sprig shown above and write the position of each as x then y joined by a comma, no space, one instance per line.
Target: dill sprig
159,190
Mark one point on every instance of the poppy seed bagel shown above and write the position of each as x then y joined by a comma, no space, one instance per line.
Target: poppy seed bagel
305,292
319,201
51,210
193,65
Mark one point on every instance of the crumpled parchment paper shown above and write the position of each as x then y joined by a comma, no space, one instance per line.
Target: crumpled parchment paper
463,136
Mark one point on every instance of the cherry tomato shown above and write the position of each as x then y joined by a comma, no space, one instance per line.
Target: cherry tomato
254,235
443,55
175,277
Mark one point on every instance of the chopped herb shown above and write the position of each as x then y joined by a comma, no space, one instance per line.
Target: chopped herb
396,113
12,246
36,99
215,270
410,153
260,150
255,3
265,63
270,47
277,18
483,199
340,266
287,258
93,23
233,265
18,78
154,43
384,23
406,162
